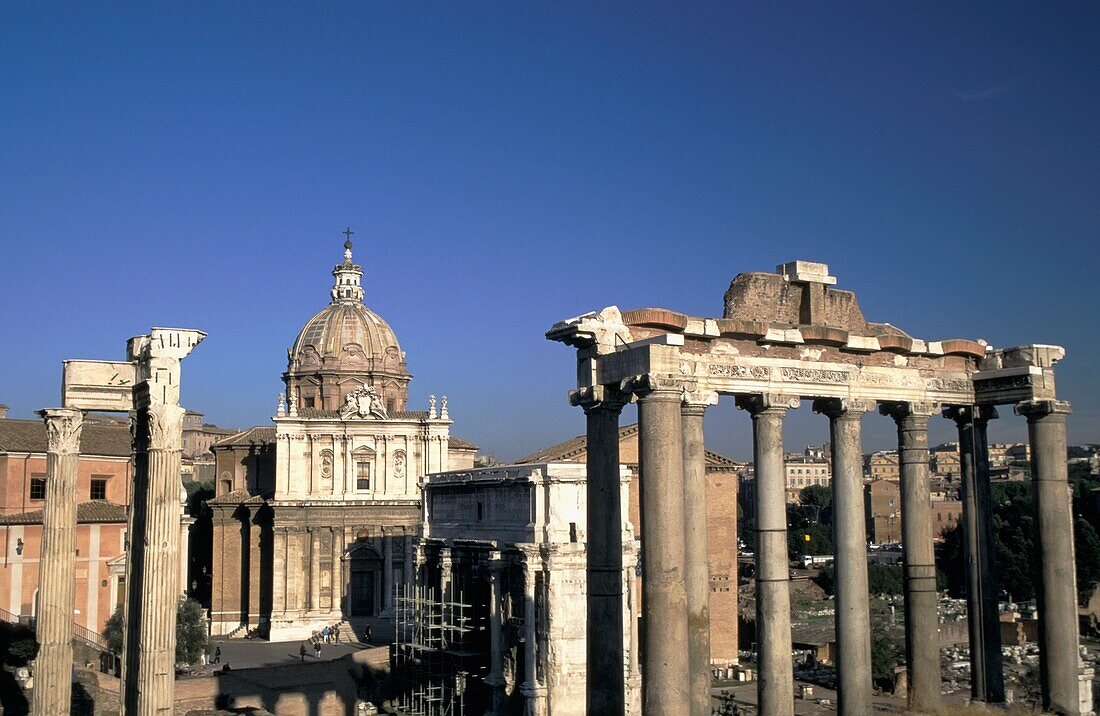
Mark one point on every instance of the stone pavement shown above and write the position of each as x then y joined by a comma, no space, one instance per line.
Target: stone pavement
251,653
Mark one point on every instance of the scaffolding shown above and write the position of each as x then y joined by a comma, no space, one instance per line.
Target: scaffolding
431,659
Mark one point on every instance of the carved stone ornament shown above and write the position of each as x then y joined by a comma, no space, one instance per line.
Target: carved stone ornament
166,427
363,403
63,430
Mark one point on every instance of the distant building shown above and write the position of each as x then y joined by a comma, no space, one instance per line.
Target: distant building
883,503
945,515
946,462
514,535
884,465
198,436
805,472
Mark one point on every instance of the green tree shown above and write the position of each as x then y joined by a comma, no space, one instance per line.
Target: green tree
885,579
1088,555
112,631
810,539
191,639
886,653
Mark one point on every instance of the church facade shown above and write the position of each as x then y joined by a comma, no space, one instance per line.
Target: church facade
316,519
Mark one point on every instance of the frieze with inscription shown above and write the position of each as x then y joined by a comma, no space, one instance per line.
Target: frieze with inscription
748,372
814,375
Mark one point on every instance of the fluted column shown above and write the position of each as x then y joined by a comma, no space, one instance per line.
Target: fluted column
602,406
445,576
922,645
983,619
664,597
532,689
495,680
696,557
387,573
154,548
775,685
852,614
1058,639
153,526
54,629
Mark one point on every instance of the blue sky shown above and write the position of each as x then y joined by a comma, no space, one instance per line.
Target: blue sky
505,165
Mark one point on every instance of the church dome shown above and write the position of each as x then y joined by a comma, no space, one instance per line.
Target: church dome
344,347
349,336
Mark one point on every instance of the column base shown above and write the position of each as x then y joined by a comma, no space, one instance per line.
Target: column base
497,697
535,699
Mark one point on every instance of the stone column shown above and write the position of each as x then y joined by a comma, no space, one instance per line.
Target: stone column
983,617
922,646
1058,639
853,617
54,630
154,548
445,576
531,689
697,556
152,561
775,685
602,406
387,573
495,680
314,569
664,596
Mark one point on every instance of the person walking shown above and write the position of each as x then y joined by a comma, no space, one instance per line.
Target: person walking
325,633
218,655
317,650
302,651
336,634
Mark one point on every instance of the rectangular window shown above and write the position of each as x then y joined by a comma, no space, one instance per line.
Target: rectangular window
99,488
362,476
38,488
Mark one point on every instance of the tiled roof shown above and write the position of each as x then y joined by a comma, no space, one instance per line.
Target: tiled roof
574,448
259,435
460,444
90,511
235,497
30,436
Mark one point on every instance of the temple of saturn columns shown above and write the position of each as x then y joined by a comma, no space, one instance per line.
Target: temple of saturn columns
785,337
147,385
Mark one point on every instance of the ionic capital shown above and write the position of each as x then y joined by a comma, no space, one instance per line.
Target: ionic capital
649,386
63,427
599,397
165,427
965,414
767,403
1033,409
695,402
904,411
837,408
